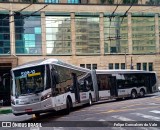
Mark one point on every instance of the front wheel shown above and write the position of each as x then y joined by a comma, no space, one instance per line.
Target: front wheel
142,93
133,94
68,106
90,101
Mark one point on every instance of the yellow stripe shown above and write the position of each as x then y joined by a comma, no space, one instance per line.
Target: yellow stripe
34,74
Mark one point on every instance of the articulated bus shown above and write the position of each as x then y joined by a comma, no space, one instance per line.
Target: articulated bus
125,83
50,84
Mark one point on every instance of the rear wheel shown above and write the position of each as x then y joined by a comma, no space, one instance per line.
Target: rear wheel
133,94
142,93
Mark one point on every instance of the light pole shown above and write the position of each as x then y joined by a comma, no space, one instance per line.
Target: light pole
131,66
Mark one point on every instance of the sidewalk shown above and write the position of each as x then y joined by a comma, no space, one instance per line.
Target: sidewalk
5,109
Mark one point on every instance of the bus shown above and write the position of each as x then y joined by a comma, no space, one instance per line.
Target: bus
50,85
125,83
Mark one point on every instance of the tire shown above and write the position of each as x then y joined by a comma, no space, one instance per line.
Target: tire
37,115
133,94
142,93
68,107
90,102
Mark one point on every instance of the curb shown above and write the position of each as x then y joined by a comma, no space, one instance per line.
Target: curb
5,111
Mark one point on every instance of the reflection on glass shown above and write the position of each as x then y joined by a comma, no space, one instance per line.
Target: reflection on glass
115,34
58,35
143,35
4,34
28,35
87,35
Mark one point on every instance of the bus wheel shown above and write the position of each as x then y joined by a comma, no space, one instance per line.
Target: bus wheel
37,115
142,93
133,94
90,100
68,106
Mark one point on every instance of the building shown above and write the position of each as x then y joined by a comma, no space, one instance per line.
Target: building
103,34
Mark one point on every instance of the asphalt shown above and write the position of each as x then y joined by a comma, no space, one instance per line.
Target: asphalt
5,109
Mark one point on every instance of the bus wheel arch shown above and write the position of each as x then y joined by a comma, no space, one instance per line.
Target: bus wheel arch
133,93
142,92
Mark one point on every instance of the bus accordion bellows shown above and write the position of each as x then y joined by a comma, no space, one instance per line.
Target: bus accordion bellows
125,83
50,84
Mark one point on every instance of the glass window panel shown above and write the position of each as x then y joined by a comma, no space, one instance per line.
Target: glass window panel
73,1
38,38
58,35
143,35
87,35
88,66
122,65
144,66
115,34
37,30
94,66
116,65
82,65
51,1
28,35
138,66
110,66
150,65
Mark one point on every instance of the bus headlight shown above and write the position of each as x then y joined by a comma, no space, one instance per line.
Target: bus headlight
48,95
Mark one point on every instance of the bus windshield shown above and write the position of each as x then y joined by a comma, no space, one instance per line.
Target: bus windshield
29,80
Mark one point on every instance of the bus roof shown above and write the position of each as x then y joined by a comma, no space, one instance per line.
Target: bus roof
122,71
49,61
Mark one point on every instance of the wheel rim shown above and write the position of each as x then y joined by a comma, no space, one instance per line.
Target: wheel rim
133,94
90,100
141,93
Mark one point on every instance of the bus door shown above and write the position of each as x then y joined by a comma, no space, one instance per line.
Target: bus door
148,80
76,87
113,89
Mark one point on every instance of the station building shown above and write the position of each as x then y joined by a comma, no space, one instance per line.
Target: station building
95,34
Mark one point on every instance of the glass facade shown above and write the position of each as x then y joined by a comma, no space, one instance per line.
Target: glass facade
58,35
115,34
73,1
28,35
52,1
87,35
4,34
143,35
